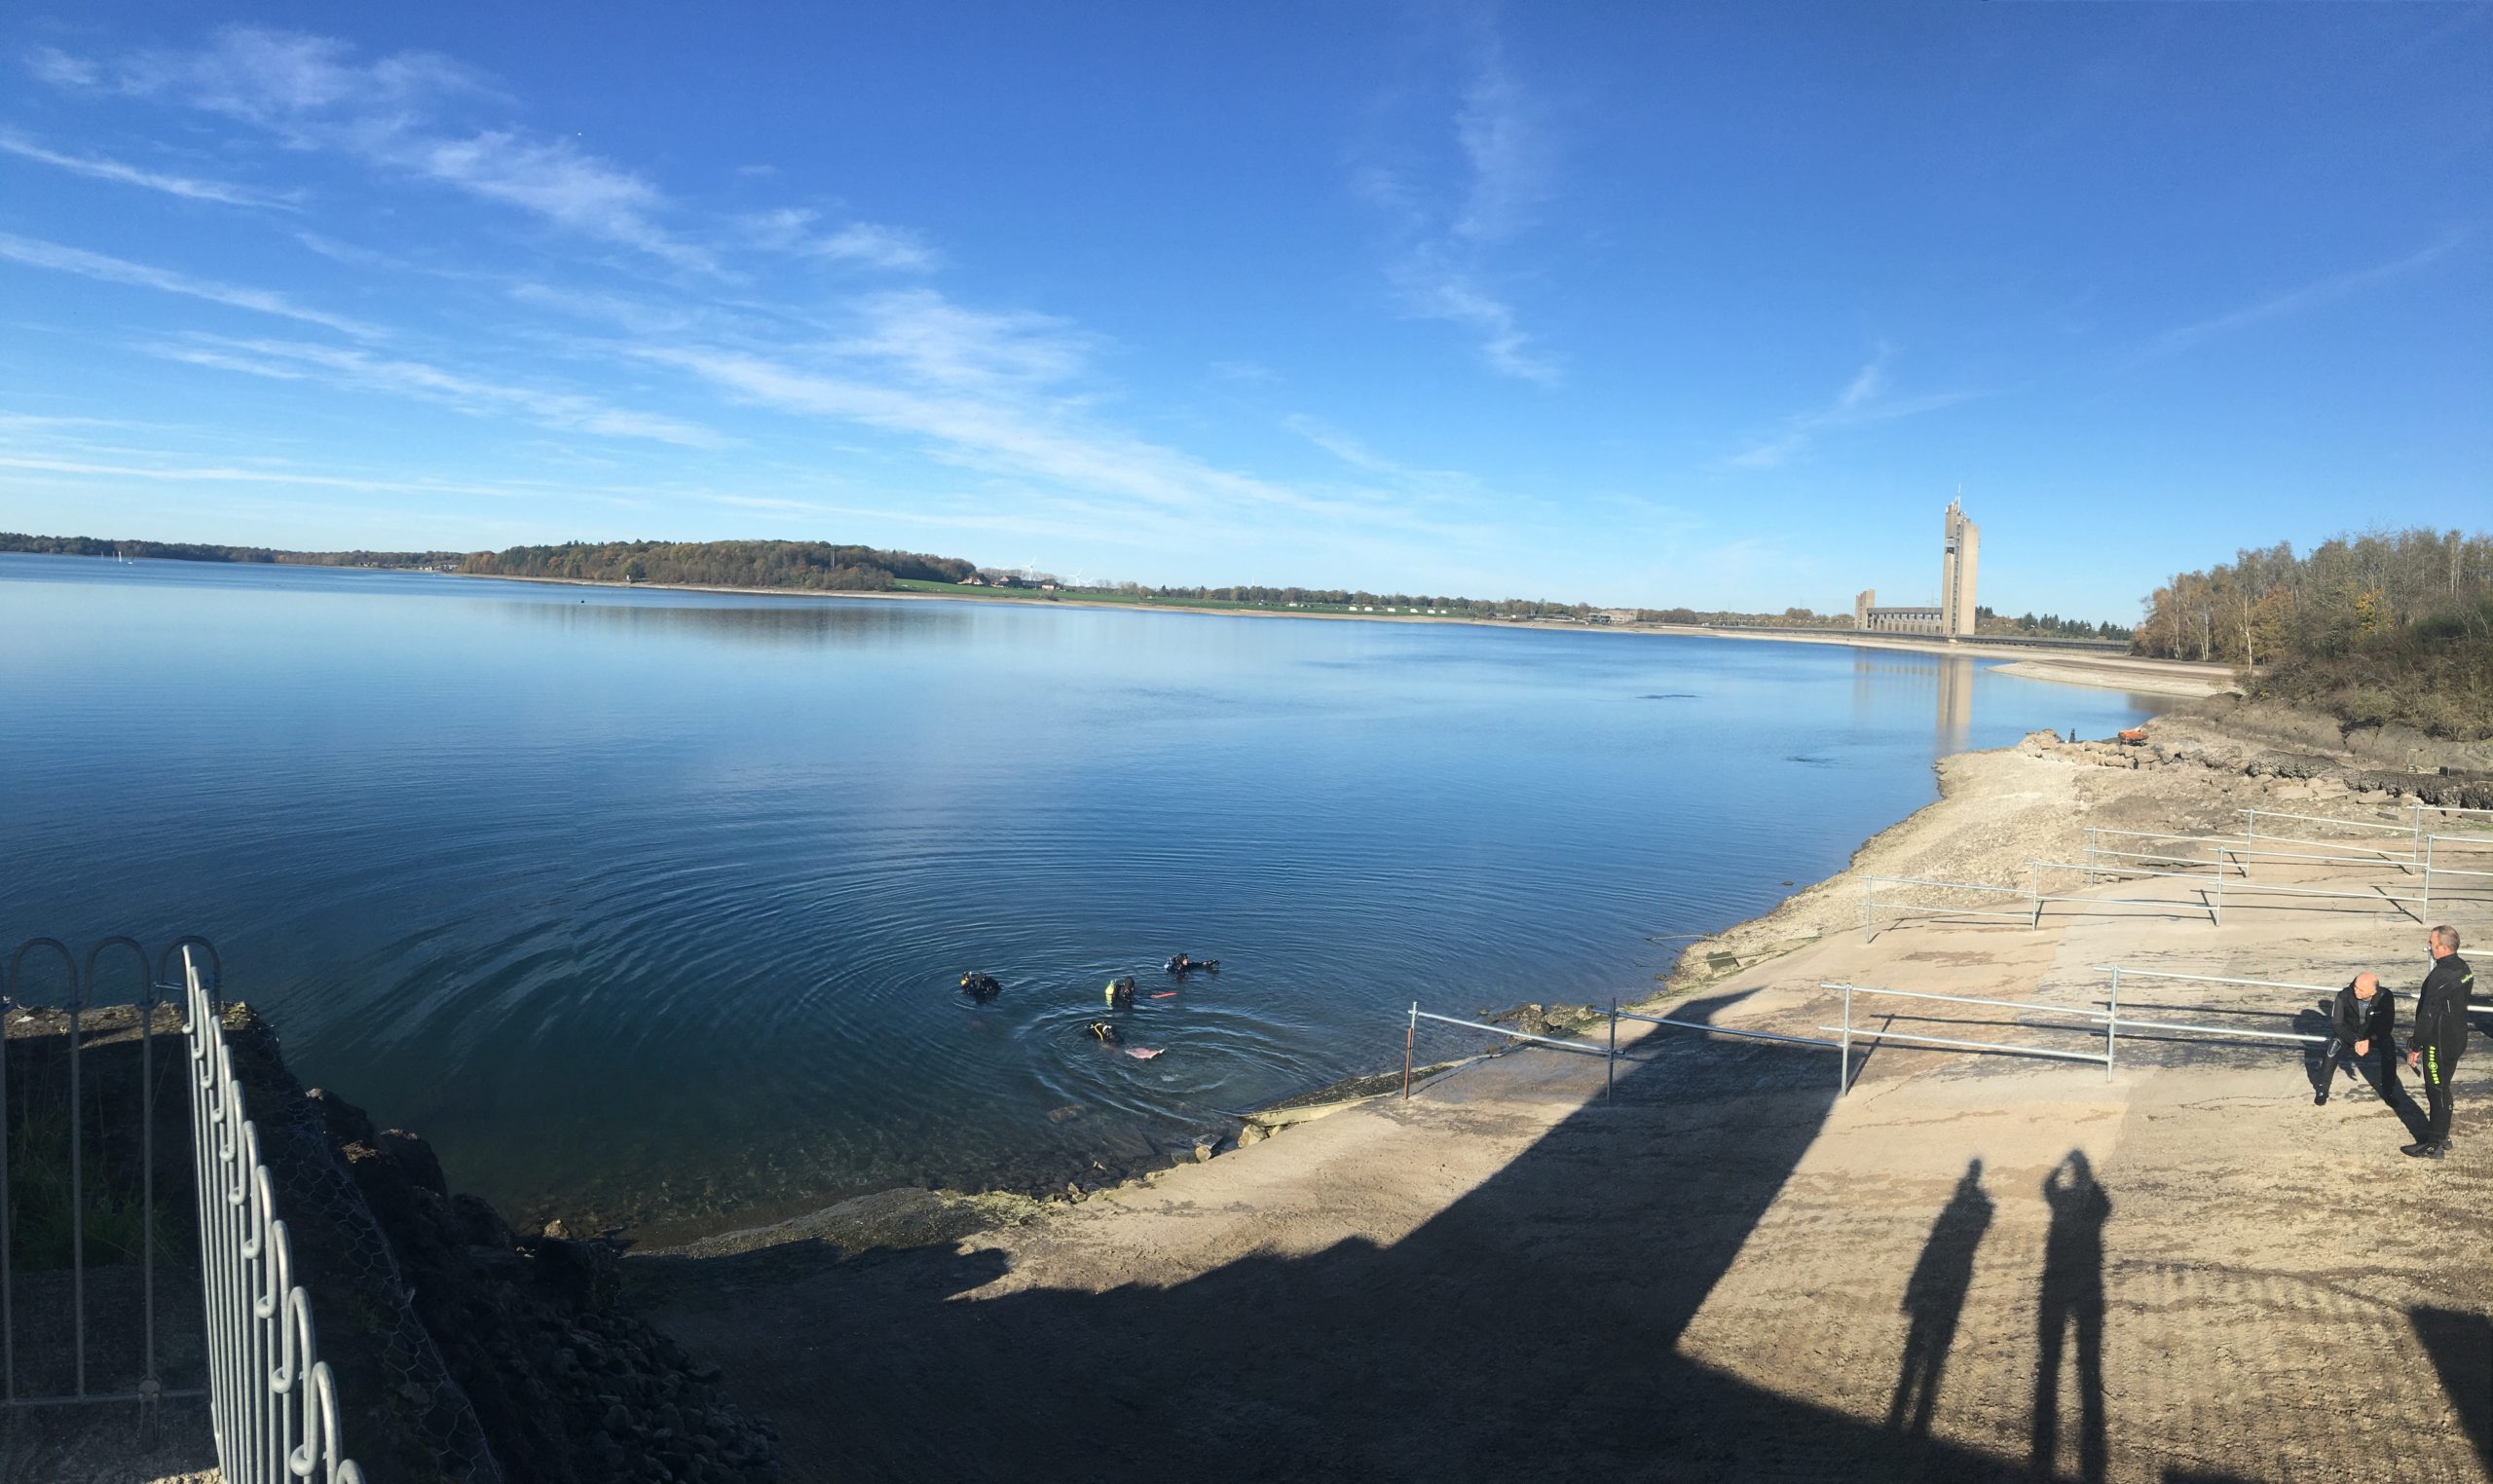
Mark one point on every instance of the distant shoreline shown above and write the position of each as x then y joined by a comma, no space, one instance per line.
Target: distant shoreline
2053,664
2066,667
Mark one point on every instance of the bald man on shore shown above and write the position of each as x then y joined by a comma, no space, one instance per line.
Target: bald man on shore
2361,1020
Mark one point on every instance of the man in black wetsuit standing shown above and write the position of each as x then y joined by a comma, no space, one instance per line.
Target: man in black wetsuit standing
2441,1034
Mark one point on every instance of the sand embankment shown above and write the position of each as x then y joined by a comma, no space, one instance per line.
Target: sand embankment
1967,1267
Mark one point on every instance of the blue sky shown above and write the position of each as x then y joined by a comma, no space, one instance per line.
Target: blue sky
1633,304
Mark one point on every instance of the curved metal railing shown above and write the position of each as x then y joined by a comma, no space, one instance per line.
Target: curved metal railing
271,1398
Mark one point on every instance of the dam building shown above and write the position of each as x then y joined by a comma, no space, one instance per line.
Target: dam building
1961,546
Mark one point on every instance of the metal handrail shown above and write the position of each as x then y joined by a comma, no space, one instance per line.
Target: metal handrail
2320,819
2213,979
2225,847
1610,1054
1575,1046
2207,1030
2020,1051
1727,1030
2014,891
2109,1019
1955,999
273,1403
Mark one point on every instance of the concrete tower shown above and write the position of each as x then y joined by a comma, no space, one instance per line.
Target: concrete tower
1961,545
1957,554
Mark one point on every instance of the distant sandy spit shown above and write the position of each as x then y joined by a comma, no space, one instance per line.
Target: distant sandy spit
2114,672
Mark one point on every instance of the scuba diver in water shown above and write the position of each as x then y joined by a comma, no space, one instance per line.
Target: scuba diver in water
1106,1033
1181,965
1121,993
980,986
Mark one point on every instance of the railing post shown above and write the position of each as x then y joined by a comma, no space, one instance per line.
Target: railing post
1844,1057
77,1191
2216,914
2426,912
7,1319
1610,1088
2034,888
2090,854
2111,1022
151,1383
1410,1033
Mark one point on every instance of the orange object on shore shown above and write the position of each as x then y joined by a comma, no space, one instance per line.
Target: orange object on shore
2135,736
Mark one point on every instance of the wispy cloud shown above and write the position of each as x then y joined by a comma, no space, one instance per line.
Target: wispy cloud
930,339
1357,454
313,93
100,168
292,80
397,111
867,244
978,433
556,180
1440,267
58,68
998,393
2308,296
1507,147
194,474
1433,289
295,360
36,254
1867,398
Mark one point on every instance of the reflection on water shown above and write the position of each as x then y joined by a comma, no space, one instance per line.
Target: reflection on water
1955,724
655,903
1950,677
788,622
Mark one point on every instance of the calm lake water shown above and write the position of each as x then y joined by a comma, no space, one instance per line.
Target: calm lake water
650,906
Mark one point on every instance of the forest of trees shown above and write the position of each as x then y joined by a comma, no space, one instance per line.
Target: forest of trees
2385,626
815,566
2048,626
193,552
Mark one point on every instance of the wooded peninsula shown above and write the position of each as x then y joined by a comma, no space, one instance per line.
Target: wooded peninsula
2378,628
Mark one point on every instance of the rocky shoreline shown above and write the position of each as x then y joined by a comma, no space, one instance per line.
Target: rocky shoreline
464,1351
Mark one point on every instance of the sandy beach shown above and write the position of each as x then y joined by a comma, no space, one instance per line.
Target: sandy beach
1965,1267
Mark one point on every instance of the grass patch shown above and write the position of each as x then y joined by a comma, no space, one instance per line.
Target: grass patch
114,1209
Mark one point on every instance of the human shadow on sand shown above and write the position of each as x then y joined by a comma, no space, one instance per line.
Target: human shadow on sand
2072,1300
1935,1299
1528,1330
2461,1346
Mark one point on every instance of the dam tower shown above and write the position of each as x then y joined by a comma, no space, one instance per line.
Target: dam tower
1959,549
